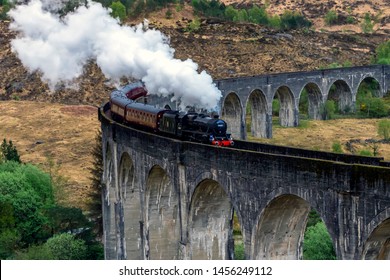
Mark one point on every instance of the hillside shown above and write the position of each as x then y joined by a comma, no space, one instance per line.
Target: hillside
61,126
223,49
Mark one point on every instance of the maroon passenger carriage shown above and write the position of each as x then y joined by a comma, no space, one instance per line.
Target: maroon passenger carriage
185,126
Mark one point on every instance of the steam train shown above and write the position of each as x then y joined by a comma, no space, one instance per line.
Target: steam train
187,126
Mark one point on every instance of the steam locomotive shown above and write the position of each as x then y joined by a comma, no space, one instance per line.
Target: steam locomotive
187,126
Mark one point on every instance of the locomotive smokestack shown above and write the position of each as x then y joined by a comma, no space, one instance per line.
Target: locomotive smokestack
215,115
59,48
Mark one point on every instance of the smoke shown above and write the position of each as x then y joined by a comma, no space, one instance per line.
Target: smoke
59,48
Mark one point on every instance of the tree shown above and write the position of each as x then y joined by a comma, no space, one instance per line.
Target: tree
118,10
6,7
231,13
293,20
65,219
317,244
8,151
95,199
66,247
28,190
258,15
9,236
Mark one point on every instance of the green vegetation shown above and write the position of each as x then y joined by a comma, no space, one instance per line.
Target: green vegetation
337,148
194,25
64,246
255,14
239,250
6,5
30,217
368,102
384,129
95,199
124,8
333,65
382,54
365,153
331,17
207,8
275,107
118,10
8,152
304,102
317,244
367,25
328,110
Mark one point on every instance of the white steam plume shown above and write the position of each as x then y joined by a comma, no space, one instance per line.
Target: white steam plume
59,49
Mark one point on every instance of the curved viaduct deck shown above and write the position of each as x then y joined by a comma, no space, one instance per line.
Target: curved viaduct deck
167,199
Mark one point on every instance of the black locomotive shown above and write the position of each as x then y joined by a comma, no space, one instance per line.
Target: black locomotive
189,126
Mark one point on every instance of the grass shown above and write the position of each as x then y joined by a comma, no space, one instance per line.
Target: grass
54,136
320,135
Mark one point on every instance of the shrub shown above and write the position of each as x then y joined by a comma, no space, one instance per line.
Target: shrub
350,19
66,247
194,25
6,7
118,10
382,53
258,15
337,148
328,110
28,190
373,108
168,14
384,129
293,20
242,16
367,24
231,13
211,8
8,151
239,252
275,22
331,17
275,107
35,252
317,244
304,102
366,153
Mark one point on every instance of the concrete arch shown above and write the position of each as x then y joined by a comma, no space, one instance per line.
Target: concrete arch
130,194
377,91
210,222
377,245
279,232
109,207
341,92
258,108
287,109
162,216
315,101
232,113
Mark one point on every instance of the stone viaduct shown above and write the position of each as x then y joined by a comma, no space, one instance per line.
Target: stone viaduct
167,199
258,92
